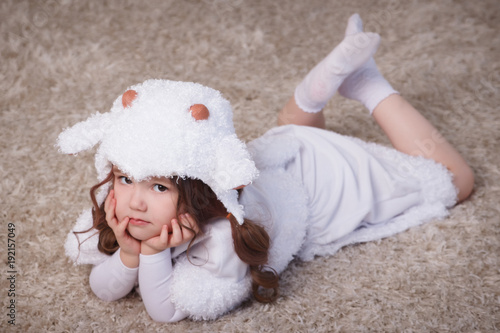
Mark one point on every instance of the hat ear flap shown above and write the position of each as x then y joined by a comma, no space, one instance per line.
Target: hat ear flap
83,135
234,164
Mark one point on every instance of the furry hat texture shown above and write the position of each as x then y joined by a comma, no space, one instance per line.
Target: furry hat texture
162,128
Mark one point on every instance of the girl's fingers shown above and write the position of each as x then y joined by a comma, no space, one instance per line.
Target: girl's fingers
120,227
123,224
109,208
160,242
164,235
176,233
188,221
108,200
111,195
111,219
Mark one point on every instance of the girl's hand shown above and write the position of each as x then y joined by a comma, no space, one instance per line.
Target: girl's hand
130,248
178,236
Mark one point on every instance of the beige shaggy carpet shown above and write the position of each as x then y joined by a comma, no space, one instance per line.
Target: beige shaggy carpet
62,60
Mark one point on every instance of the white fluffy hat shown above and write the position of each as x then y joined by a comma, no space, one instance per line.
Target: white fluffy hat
162,128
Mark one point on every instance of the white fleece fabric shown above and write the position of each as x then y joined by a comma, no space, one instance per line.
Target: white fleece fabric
212,282
316,192
307,178
330,190
156,135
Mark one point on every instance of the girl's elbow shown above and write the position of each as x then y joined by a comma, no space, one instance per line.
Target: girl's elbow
159,313
108,290
161,318
104,294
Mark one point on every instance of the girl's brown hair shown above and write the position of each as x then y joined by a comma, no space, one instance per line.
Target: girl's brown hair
251,241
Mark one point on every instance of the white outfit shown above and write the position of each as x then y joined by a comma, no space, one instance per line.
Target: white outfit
213,280
355,191
316,192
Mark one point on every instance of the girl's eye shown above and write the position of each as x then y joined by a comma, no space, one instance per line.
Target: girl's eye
125,180
160,188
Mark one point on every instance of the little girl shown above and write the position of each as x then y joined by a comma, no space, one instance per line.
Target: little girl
197,221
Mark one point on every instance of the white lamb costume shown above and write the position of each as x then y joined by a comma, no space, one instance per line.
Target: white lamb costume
315,192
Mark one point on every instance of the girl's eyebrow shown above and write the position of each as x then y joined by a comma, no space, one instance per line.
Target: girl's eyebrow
153,179
161,180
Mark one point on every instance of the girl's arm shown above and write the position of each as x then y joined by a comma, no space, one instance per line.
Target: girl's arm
111,279
211,282
155,280
155,269
129,246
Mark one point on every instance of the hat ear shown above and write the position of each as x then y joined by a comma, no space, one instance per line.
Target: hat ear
199,112
235,167
83,135
128,97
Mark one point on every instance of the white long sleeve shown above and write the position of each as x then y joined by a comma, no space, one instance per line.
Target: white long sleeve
111,279
155,280
211,282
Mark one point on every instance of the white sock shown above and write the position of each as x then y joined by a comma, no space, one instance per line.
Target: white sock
366,84
321,83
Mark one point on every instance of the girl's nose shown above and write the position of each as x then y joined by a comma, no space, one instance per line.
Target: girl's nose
137,201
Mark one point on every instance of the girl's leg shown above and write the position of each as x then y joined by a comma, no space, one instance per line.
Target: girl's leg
292,114
408,131
351,69
321,83
411,133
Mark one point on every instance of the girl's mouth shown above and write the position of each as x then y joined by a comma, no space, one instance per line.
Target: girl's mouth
137,222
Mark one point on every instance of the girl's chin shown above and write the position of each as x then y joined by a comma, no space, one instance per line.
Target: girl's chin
140,236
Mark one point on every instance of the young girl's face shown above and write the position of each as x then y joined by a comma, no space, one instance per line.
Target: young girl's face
149,204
